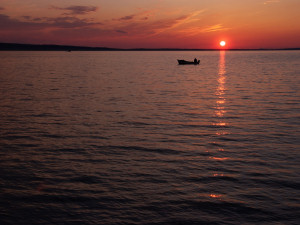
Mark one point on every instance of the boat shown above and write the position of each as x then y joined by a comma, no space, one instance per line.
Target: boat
184,62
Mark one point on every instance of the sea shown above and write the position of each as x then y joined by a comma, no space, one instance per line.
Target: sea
131,137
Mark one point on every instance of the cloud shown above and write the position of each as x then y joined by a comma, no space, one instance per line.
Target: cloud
214,28
130,17
271,1
33,19
77,9
139,25
169,24
140,16
31,28
121,31
7,23
70,22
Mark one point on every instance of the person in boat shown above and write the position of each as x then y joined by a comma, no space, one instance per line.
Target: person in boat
195,60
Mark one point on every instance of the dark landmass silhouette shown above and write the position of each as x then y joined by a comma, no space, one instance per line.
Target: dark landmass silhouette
34,47
49,47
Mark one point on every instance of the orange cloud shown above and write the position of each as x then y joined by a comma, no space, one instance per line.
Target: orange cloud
77,9
169,24
214,28
7,23
271,1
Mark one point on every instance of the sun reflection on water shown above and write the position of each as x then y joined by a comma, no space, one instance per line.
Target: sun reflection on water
221,124
215,195
220,92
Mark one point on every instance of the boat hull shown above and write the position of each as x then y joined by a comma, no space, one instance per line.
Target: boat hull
184,62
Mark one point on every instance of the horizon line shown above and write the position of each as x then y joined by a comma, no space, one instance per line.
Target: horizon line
56,47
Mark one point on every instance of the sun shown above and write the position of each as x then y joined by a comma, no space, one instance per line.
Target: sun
222,43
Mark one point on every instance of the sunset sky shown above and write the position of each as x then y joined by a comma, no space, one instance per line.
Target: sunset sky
152,23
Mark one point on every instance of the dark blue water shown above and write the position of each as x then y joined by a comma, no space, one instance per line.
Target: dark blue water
134,138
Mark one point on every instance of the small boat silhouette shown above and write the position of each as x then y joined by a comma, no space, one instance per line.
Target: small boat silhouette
184,62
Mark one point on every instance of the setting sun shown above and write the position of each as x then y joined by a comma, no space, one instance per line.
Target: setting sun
222,43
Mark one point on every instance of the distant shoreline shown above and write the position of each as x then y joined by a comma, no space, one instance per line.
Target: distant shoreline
34,47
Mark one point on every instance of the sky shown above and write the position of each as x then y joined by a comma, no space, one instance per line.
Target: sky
152,23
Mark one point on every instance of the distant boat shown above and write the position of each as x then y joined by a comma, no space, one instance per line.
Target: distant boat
184,62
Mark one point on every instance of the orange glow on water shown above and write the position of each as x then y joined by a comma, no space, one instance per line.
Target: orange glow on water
220,113
220,92
218,175
220,124
215,195
221,133
219,158
221,101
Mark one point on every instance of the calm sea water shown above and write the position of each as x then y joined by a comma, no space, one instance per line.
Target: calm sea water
134,138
